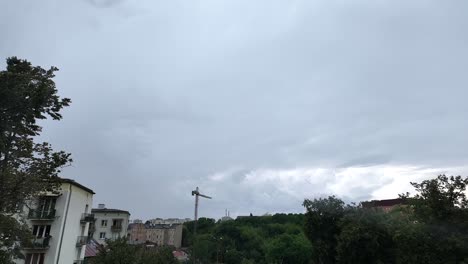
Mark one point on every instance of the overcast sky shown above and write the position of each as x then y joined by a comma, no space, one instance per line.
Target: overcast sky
259,103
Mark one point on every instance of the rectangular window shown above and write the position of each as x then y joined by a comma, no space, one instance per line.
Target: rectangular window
34,258
103,222
46,205
102,235
41,231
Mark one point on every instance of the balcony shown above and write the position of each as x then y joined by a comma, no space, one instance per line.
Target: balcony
38,244
87,218
116,228
81,241
41,215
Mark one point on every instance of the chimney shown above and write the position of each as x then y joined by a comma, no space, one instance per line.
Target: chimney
101,206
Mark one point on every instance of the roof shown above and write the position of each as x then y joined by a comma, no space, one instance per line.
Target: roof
387,202
162,226
109,210
92,248
70,181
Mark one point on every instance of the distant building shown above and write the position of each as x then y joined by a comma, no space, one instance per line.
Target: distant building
226,217
110,223
159,234
137,233
168,221
59,223
164,235
385,205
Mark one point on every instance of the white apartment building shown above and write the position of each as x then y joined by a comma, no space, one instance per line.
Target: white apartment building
109,224
59,223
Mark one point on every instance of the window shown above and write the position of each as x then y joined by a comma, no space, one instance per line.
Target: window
34,258
40,231
102,235
103,222
46,205
117,222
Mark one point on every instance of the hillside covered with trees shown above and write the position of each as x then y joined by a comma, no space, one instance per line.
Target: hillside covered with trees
429,227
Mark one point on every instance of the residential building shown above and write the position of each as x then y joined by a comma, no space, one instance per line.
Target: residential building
137,233
59,221
110,223
164,235
159,234
168,221
386,205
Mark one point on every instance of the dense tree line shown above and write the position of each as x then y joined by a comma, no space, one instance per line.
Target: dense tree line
429,227
255,239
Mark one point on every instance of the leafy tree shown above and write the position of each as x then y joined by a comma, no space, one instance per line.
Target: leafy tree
440,210
120,252
204,248
441,198
289,249
364,238
243,240
161,255
116,252
322,226
27,94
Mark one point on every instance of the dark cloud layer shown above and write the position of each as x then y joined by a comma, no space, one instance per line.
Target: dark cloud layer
260,103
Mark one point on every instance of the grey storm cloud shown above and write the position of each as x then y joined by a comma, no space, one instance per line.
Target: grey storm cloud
259,103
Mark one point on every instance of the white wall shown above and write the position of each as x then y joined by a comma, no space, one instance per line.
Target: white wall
66,227
109,216
79,198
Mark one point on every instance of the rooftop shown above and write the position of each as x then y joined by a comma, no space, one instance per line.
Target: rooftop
70,181
387,202
109,210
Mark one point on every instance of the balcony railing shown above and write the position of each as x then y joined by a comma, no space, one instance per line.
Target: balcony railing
116,228
38,243
41,215
81,241
87,218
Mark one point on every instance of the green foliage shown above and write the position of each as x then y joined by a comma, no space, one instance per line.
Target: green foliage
289,249
431,228
27,94
120,252
323,218
250,240
364,238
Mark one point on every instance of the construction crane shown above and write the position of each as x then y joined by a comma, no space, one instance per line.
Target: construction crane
197,194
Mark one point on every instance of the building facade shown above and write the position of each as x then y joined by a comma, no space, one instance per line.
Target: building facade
109,224
168,221
137,233
161,235
385,205
59,223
